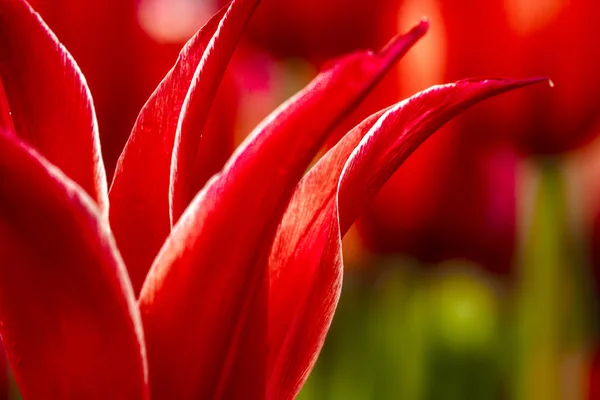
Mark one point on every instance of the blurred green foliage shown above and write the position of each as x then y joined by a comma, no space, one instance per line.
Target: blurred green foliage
413,334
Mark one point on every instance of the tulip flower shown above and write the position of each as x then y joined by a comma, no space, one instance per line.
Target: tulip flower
221,280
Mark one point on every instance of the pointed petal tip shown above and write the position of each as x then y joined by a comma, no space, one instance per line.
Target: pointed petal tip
400,43
539,79
423,24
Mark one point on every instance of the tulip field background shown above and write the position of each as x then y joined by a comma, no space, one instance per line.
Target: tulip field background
475,274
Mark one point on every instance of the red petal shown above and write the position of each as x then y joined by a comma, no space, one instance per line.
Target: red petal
193,161
6,123
204,302
70,322
49,99
139,194
305,263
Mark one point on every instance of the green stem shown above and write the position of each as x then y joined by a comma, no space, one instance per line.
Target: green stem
550,311
539,302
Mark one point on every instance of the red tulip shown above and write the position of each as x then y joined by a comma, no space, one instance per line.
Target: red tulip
238,299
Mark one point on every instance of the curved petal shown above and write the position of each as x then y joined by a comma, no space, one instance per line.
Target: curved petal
139,194
49,99
193,161
204,302
305,264
69,320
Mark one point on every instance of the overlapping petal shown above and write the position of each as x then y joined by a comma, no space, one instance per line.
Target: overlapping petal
49,100
305,265
70,323
139,194
204,303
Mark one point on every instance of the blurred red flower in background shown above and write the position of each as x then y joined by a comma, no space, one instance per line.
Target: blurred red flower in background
553,38
320,30
454,198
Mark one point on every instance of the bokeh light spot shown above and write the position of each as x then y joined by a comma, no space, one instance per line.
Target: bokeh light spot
174,21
